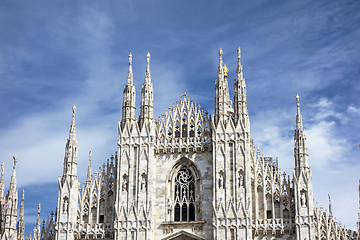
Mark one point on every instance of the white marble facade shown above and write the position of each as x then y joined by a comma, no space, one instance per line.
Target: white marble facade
186,175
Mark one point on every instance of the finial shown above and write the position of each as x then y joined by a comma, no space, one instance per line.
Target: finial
220,58
130,59
147,71
297,100
23,194
72,127
239,53
15,161
330,207
2,170
90,155
39,208
148,59
74,110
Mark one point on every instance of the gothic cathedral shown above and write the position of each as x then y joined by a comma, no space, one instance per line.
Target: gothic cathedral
187,175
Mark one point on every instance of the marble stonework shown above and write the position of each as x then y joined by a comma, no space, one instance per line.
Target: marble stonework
186,175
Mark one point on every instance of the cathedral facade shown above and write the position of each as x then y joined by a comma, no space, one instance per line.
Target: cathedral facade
186,175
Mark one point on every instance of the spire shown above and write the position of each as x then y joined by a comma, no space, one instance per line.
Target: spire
358,224
300,150
37,230
239,67
70,159
72,132
21,223
130,72
2,184
22,205
88,179
240,101
330,207
147,97
223,108
128,109
299,124
38,219
11,204
147,71
13,177
220,68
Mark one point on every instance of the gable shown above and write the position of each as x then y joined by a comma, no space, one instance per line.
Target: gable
183,235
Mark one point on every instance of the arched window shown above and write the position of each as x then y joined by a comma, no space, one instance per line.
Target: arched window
184,195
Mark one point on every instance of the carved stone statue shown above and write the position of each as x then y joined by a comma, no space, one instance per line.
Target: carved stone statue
169,206
221,181
143,183
66,205
303,200
125,183
241,180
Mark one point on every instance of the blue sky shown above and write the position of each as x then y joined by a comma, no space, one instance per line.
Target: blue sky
54,54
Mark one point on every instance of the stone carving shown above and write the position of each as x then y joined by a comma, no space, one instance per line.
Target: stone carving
241,179
218,183
303,199
125,183
143,183
169,206
66,205
221,180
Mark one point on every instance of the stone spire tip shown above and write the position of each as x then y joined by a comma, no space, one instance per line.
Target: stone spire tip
130,59
239,53
15,161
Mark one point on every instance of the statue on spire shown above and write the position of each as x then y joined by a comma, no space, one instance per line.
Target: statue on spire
15,161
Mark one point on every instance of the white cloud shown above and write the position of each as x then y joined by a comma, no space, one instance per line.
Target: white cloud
353,109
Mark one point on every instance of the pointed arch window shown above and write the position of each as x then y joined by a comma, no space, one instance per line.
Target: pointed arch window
184,197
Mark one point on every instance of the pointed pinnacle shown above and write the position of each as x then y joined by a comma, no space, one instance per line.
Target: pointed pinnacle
2,171
74,111
73,127
89,168
239,53
15,161
220,58
298,115
130,60
147,71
